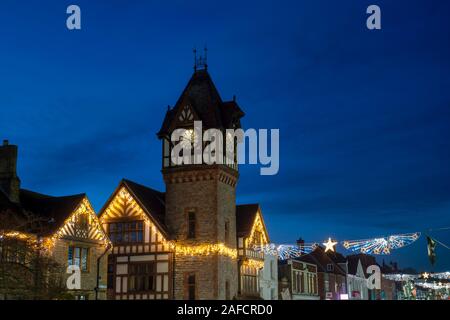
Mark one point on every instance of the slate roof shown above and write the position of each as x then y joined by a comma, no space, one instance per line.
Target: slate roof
201,94
153,201
366,260
50,211
245,216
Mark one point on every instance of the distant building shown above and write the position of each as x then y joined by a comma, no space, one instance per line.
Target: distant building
299,279
356,279
332,284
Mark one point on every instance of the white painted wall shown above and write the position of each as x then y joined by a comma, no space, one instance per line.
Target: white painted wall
268,280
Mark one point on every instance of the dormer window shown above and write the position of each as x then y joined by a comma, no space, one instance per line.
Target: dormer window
330,267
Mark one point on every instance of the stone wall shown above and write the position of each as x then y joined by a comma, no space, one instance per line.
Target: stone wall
88,278
210,193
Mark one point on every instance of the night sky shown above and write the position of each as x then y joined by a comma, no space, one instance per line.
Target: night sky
363,115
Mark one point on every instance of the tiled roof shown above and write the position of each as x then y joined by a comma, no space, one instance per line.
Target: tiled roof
53,211
41,214
202,95
153,201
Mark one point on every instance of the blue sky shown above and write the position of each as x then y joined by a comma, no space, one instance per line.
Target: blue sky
363,115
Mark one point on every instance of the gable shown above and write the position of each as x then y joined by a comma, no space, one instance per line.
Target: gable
82,224
258,234
359,270
126,204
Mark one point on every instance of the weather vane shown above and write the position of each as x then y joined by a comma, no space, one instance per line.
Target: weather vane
201,61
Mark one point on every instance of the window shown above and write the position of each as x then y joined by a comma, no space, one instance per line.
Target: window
191,287
78,257
126,232
227,232
191,225
297,282
272,269
330,267
141,277
257,237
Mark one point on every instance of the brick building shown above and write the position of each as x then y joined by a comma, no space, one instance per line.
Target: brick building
299,279
331,273
191,241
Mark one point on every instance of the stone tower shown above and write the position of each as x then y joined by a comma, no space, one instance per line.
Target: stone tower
9,181
200,198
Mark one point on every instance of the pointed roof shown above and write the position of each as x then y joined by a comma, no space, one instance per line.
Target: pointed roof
245,218
52,210
321,259
366,260
201,94
47,213
151,201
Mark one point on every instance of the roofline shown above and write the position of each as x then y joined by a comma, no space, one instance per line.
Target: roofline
258,211
123,182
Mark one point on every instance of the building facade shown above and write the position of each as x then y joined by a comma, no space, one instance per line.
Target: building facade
191,241
64,229
299,278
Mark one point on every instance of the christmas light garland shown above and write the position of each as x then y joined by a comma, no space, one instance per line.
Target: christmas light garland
377,246
381,245
285,251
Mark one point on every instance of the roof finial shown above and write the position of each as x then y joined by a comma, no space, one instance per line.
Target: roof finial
201,62
195,59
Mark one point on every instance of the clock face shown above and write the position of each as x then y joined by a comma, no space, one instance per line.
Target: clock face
189,138
186,115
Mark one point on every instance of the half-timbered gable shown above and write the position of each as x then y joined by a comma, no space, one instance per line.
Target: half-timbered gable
73,236
63,228
140,265
251,232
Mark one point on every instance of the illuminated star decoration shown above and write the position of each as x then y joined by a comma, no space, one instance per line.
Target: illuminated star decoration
329,245
381,245
425,275
285,251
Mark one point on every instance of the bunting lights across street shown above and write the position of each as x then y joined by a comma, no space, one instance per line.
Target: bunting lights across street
377,246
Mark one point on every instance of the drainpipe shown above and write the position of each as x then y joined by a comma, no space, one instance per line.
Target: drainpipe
98,270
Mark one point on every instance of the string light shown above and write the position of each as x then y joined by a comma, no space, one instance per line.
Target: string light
284,251
381,245
258,226
252,263
203,250
408,277
329,245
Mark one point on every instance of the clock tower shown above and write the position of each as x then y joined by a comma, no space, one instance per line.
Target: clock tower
201,198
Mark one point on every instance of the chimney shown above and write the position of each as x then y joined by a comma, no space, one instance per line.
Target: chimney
9,182
301,245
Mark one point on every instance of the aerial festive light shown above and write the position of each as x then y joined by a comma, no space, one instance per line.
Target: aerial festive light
425,275
285,251
381,245
329,245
